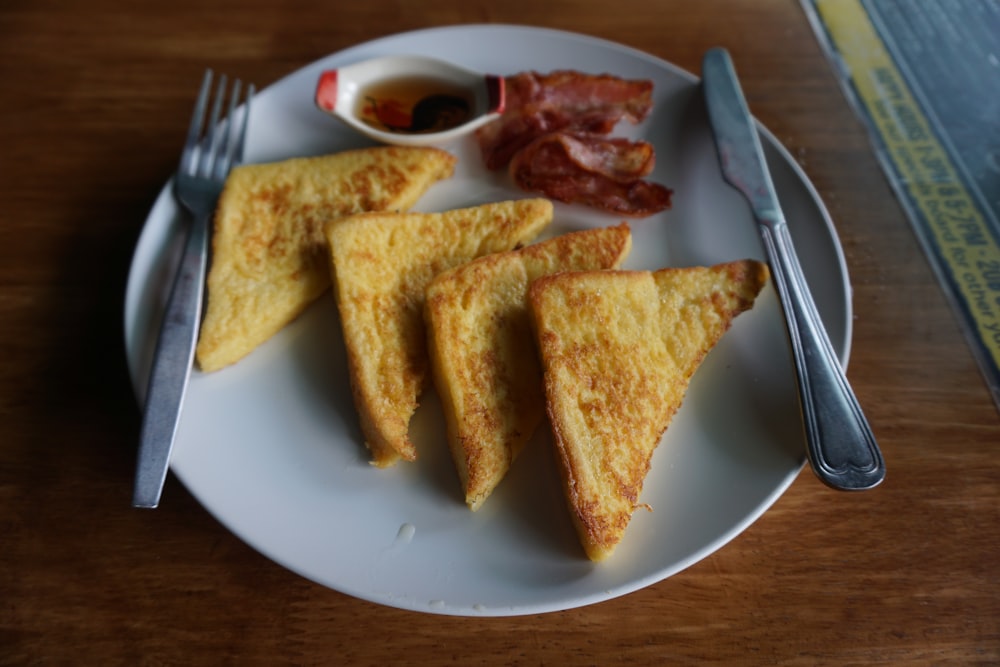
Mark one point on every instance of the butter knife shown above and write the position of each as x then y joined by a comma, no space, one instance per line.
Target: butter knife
840,445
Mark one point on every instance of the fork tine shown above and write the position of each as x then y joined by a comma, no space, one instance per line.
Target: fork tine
231,149
189,156
211,141
223,154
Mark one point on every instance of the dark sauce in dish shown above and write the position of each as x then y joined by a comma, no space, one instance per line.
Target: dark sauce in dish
414,105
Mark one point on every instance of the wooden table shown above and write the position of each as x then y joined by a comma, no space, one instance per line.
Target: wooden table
95,98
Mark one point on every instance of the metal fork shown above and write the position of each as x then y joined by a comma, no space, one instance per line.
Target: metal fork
209,153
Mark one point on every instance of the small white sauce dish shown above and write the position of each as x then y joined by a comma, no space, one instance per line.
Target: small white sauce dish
410,100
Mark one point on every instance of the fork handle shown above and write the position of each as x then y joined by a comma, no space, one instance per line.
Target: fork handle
839,442
171,367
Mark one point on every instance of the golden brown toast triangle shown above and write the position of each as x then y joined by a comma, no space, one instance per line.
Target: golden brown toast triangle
269,253
482,351
618,350
382,264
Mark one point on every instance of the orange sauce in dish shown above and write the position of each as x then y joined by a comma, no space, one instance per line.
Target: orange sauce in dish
414,105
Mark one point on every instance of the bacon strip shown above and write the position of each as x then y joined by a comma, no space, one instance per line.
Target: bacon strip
591,169
538,104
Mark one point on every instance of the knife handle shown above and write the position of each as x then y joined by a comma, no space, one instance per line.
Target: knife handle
839,442
171,368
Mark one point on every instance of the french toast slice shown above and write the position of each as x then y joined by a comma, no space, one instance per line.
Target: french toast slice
482,351
381,266
269,259
618,350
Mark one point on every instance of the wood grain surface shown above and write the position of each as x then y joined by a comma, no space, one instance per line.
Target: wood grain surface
95,96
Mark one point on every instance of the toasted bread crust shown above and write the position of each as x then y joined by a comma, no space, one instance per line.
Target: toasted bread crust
618,350
269,252
381,266
483,354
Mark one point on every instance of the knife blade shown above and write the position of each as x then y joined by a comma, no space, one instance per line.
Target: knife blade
840,445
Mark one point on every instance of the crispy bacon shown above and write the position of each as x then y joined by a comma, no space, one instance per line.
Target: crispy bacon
538,104
591,169
616,158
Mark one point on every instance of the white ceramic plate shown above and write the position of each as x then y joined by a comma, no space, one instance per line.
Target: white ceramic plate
271,446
